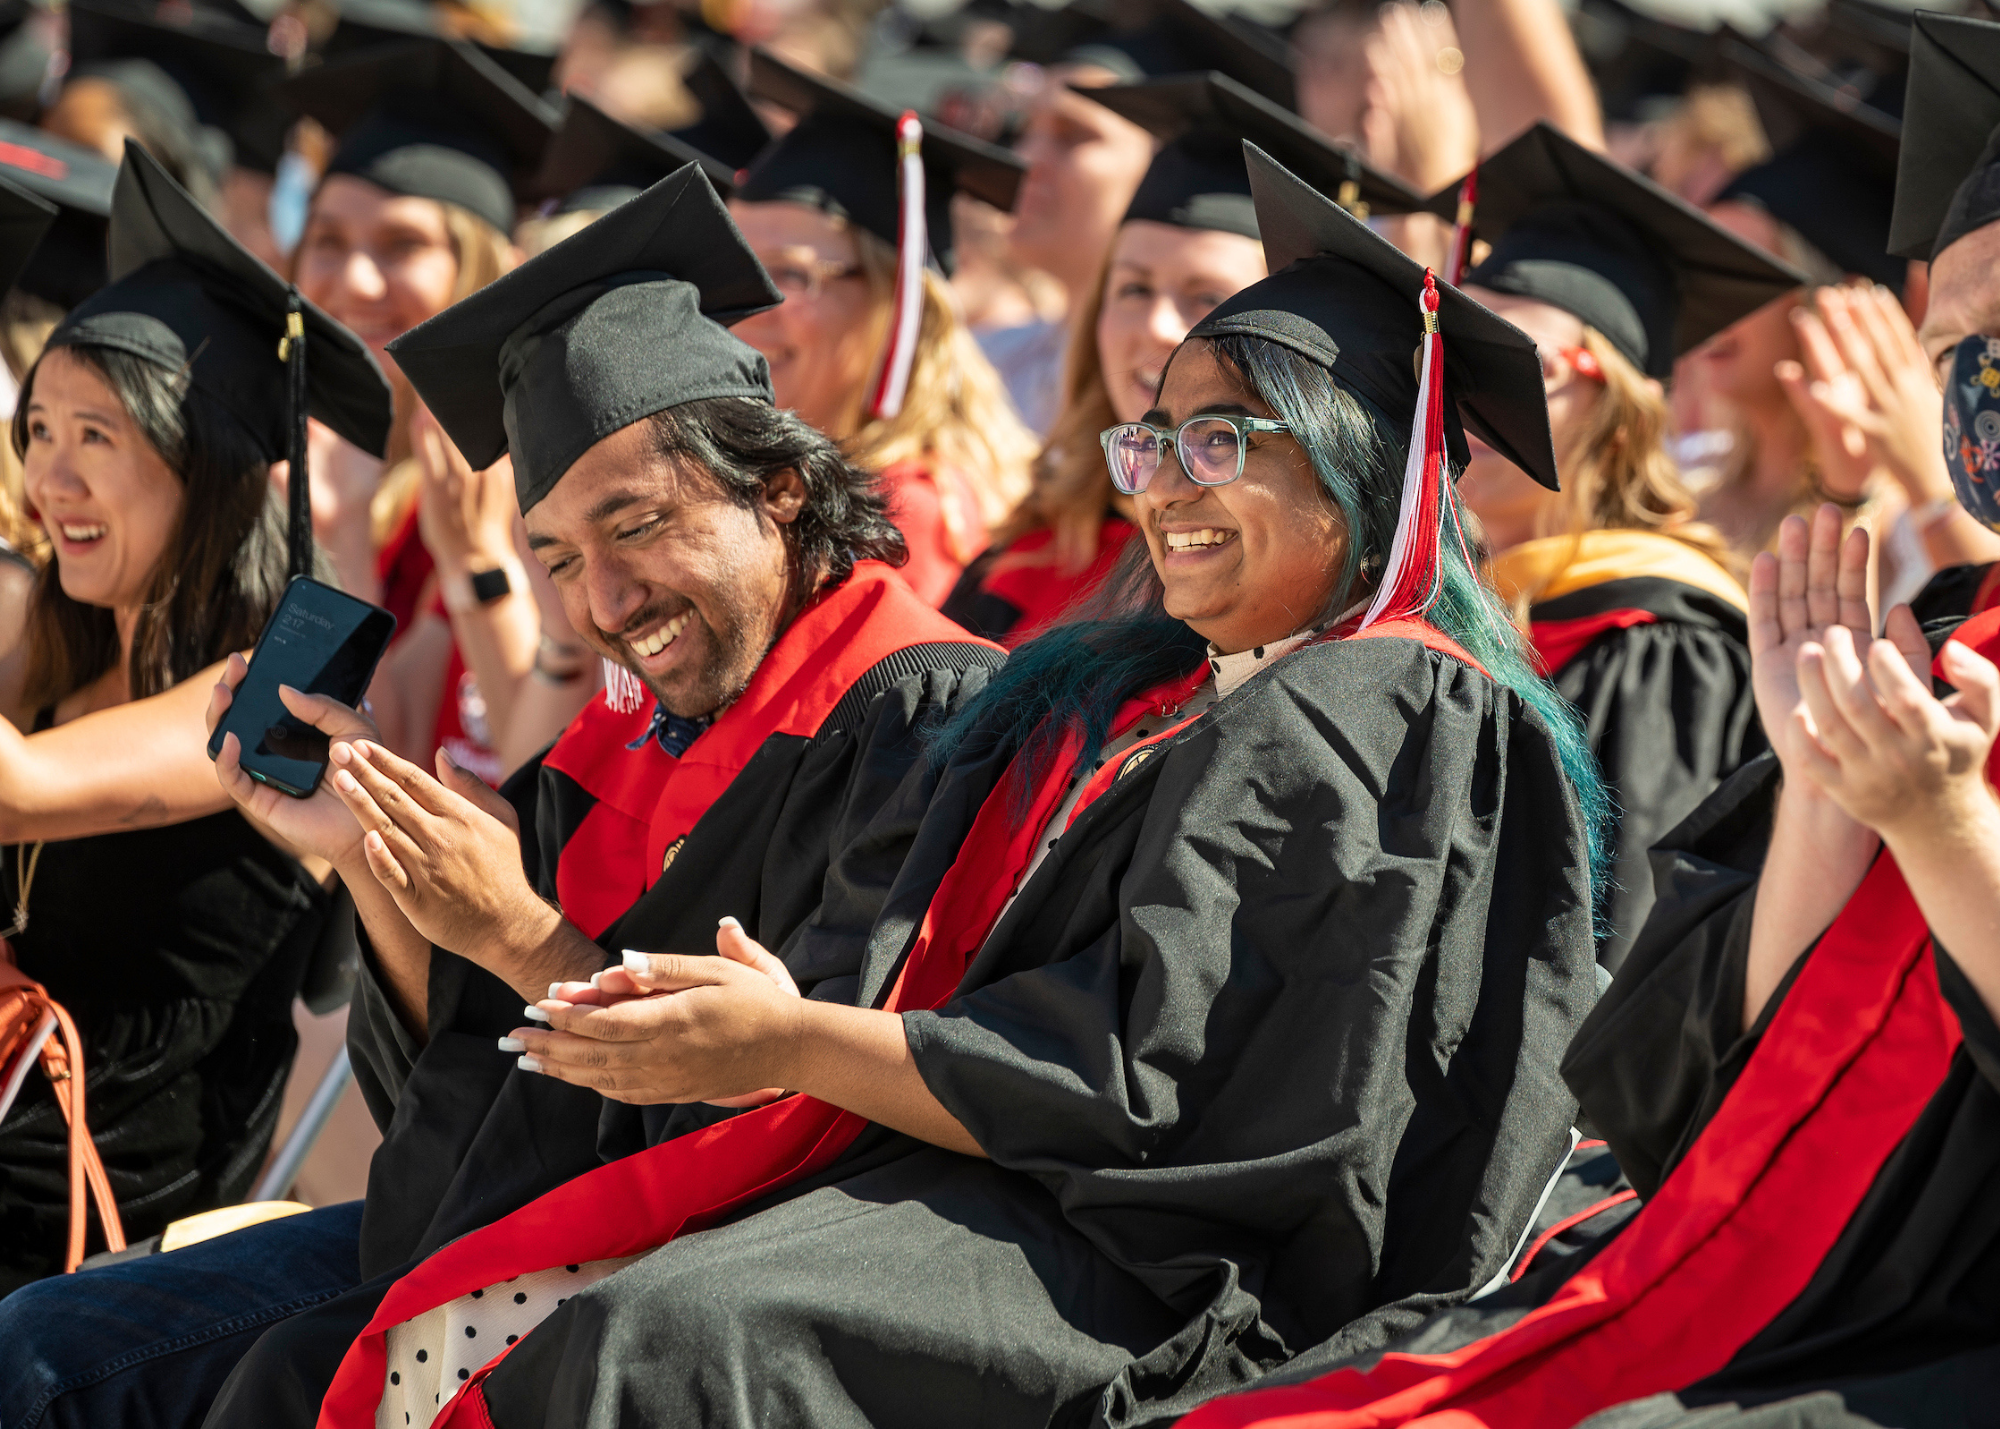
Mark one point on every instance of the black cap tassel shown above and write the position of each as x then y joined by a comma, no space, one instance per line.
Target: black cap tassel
299,532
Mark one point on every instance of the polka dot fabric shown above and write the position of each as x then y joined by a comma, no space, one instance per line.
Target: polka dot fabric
431,1356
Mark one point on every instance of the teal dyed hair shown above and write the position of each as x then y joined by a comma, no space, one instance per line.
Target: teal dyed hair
1123,641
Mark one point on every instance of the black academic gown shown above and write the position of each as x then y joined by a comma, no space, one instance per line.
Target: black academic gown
1647,638
1900,1324
1262,1054
794,841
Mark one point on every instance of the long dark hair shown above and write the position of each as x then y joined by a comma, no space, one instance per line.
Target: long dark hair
223,571
743,443
1123,641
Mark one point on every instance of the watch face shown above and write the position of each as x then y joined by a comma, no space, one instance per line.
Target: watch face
489,586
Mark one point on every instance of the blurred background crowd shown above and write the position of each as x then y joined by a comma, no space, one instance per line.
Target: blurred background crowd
1048,315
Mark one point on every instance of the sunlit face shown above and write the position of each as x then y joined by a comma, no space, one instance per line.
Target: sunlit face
1161,282
1964,297
1739,360
1504,497
1084,163
1252,561
108,500
663,573
820,341
378,262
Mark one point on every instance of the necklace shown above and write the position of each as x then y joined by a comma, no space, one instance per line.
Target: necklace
25,864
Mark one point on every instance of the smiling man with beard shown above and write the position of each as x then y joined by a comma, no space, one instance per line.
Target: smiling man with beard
725,557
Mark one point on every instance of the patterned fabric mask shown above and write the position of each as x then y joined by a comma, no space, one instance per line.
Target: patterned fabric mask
1972,427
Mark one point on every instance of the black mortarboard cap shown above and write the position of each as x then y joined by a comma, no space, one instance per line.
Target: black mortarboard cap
1948,179
1832,176
1574,229
364,24
69,265
24,218
1639,61
186,295
620,320
431,118
596,163
1345,297
730,130
1235,45
224,67
841,157
1197,179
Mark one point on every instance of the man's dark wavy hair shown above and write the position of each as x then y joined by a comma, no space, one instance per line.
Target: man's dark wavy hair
742,443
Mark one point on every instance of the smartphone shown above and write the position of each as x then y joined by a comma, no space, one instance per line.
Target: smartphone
320,641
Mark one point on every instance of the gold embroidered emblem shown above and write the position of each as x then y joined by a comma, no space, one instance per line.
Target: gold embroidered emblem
673,852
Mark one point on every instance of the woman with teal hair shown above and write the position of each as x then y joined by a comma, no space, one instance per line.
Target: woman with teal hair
1215,1013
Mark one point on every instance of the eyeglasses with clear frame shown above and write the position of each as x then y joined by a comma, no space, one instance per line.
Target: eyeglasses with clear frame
801,273
1210,449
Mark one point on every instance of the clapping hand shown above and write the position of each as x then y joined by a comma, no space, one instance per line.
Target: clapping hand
664,1028
1815,583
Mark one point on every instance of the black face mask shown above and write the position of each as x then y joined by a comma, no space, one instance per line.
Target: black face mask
1972,427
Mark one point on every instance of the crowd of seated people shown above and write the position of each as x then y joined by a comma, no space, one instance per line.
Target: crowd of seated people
1429,857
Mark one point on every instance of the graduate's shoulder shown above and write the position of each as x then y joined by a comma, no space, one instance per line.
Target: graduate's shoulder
928,677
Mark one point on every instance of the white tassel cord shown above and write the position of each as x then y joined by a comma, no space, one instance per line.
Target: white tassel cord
1414,473
912,253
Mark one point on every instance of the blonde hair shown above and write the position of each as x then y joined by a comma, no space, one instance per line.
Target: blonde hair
1072,486
1617,474
484,253
956,412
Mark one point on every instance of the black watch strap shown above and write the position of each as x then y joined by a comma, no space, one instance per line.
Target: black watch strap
489,586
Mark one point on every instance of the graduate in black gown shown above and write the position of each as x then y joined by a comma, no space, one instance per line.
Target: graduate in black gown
1623,592
1799,1065
1212,1013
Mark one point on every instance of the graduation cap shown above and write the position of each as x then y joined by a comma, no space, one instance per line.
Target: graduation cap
24,57
24,218
842,156
620,320
1832,177
432,119
1344,297
186,295
595,163
730,130
224,68
1574,229
1638,60
1198,179
365,24
1948,180
1185,38
69,264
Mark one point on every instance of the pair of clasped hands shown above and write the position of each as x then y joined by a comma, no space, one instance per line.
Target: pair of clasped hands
438,861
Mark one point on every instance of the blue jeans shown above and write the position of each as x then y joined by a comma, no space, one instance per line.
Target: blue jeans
150,1340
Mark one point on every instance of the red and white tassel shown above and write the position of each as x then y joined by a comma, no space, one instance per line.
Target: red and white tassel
913,248
1411,578
622,690
1461,235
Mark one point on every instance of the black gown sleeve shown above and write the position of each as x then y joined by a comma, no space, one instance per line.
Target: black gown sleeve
1666,1041
1669,713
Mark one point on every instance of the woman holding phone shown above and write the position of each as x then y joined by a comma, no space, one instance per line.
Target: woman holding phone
147,430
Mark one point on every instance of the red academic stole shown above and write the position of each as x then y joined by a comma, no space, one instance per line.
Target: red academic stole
1852,1056
643,1201
646,799
1026,577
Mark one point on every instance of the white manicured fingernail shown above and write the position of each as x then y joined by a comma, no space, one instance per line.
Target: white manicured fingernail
731,923
513,1044
596,980
527,1064
637,962
555,989
536,1013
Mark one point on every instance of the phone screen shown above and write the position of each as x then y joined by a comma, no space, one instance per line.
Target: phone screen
321,641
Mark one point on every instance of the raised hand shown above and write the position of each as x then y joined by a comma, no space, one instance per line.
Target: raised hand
319,825
1883,747
449,854
1815,582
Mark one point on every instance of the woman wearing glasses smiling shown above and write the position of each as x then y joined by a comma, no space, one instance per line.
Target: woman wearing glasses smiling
820,207
1216,1010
